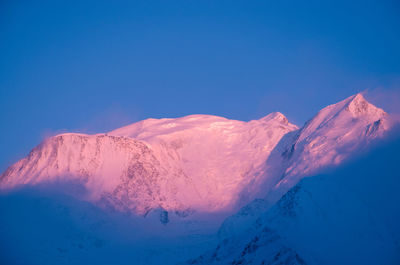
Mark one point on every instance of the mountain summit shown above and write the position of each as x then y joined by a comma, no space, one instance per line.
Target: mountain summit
199,163
358,106
334,132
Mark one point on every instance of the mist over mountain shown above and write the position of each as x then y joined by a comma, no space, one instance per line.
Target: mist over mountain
145,192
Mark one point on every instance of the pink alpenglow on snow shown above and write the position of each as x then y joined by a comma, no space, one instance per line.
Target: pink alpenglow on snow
199,163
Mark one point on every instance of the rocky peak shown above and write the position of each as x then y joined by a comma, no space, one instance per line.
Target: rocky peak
277,116
358,106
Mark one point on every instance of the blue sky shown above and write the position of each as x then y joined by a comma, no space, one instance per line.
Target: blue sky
98,65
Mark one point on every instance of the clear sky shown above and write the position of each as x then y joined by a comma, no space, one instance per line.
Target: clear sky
91,66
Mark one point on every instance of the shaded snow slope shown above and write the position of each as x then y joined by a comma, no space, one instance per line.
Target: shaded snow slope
40,226
263,247
349,216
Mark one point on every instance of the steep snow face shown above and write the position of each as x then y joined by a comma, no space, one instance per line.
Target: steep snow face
330,137
113,169
197,162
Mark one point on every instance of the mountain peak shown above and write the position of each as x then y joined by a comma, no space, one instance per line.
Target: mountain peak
358,106
359,96
277,116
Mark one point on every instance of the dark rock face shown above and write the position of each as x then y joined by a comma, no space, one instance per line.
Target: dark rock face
287,204
164,217
373,128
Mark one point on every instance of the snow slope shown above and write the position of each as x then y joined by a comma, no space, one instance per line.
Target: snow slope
349,216
41,226
331,136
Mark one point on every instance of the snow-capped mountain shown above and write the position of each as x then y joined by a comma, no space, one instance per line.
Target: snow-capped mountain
331,136
195,162
186,175
200,162
325,141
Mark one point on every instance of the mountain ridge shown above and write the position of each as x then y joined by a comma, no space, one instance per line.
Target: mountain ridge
198,162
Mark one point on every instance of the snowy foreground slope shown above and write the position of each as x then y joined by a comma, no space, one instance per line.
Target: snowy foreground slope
158,190
348,216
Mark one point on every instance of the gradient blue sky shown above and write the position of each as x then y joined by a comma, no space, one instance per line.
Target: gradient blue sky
98,65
